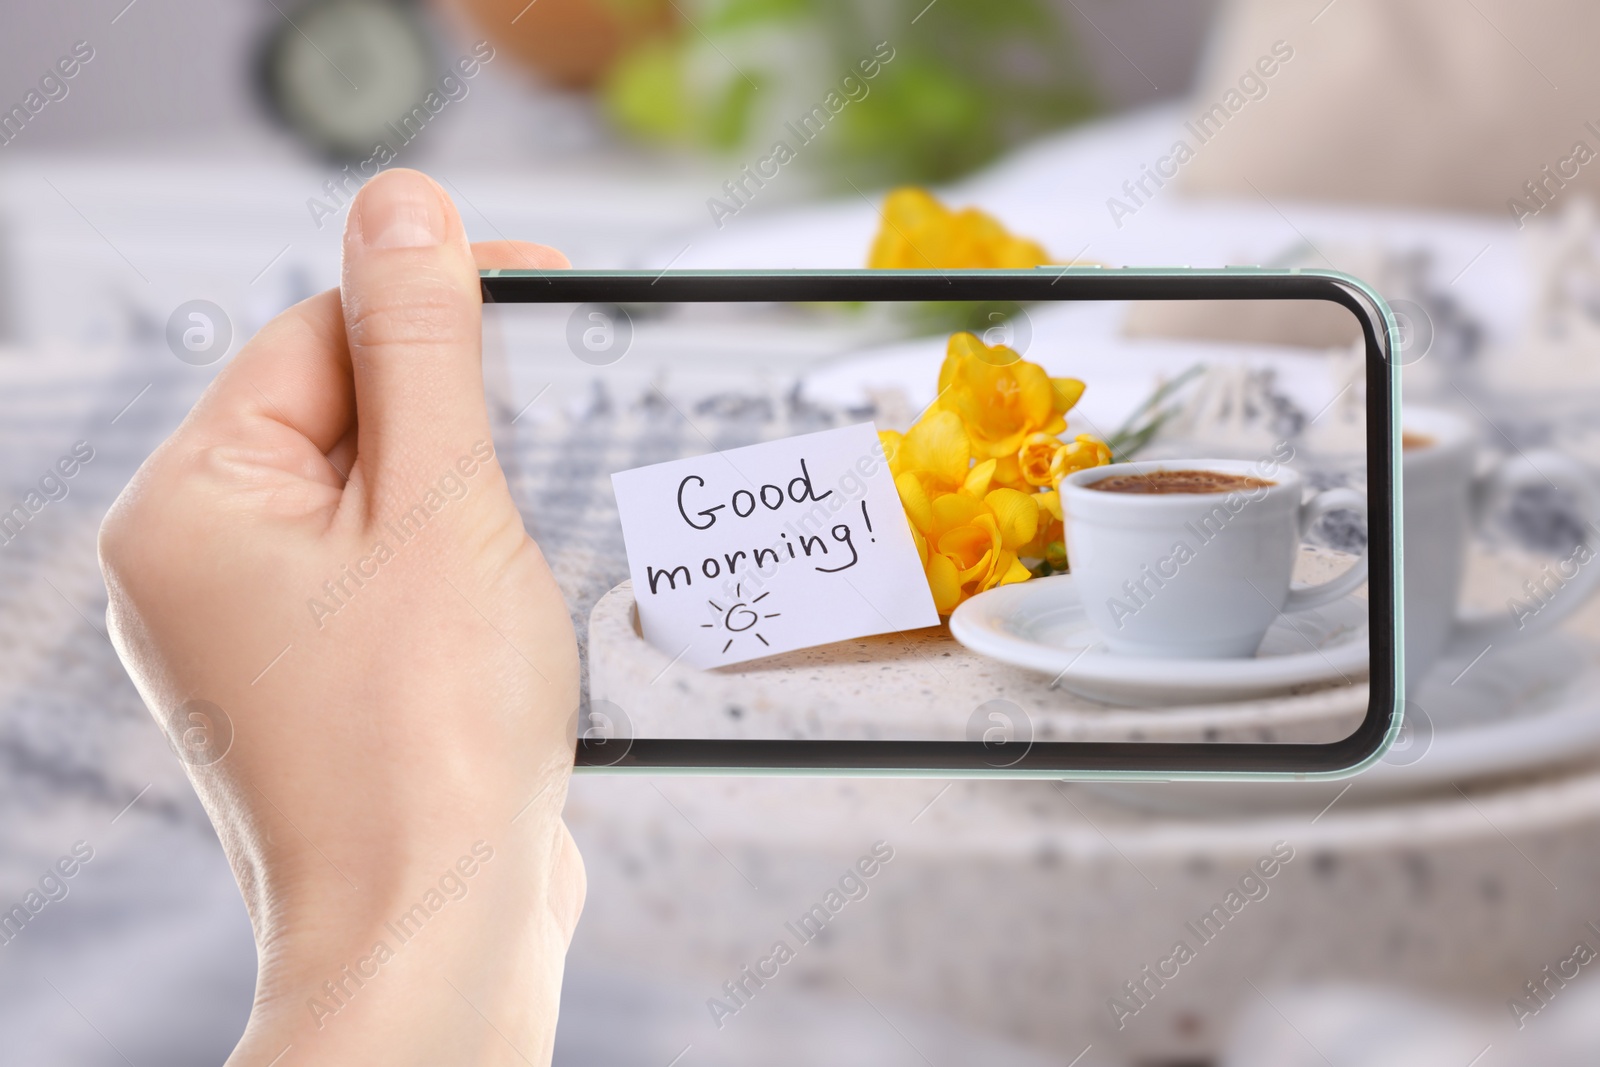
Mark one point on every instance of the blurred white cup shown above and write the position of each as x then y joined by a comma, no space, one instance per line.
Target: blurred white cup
1445,500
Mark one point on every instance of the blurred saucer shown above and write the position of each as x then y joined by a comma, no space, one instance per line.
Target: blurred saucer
1040,625
1520,710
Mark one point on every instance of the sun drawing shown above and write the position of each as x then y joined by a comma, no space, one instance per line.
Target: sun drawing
740,617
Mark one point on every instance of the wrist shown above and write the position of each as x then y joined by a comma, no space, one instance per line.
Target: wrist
457,964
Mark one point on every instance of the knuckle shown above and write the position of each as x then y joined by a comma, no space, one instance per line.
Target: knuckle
152,530
131,557
112,541
426,316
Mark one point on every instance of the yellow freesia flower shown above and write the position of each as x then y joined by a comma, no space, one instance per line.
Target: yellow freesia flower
972,542
967,534
1080,453
1038,451
1045,459
936,445
920,233
970,470
1001,400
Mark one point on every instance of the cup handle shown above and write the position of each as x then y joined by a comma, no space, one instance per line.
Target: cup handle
1313,596
1537,468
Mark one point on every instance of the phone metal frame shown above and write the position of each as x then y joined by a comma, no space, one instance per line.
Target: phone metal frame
1066,760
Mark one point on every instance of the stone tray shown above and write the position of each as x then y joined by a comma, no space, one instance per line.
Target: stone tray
920,684
1021,907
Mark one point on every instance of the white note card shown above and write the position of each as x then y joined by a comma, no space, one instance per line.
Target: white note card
787,544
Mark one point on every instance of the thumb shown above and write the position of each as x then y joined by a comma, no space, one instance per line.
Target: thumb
413,318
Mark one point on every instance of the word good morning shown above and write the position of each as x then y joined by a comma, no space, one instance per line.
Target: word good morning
765,549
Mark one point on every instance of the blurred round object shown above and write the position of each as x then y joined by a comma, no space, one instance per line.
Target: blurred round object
1002,322
599,334
1416,331
341,72
199,332
1415,738
605,733
1004,729
569,43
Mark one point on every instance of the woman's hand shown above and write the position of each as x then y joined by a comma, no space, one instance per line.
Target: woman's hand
327,552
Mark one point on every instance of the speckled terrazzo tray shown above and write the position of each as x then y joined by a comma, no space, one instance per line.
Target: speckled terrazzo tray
918,684
1021,907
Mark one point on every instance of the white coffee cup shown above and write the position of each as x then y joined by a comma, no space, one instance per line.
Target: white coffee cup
1445,500
1196,575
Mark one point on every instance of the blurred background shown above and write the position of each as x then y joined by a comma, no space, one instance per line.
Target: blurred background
166,158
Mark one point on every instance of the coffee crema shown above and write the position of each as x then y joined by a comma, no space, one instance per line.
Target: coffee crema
1168,481
1410,439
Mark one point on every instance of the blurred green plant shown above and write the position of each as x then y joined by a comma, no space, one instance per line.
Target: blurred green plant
968,79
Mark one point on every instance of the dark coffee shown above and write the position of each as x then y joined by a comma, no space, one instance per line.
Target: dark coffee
1155,482
1410,440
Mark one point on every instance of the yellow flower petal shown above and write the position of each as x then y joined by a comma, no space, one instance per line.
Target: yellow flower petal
1008,472
1006,447
1050,502
966,546
1068,391
1083,452
919,232
1013,571
1000,398
916,230
944,582
938,443
913,207
914,498
922,546
953,510
1033,458
972,547
1016,514
892,440
978,478
1019,253
1036,395
980,572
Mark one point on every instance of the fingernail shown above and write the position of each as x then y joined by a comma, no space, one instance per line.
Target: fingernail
401,209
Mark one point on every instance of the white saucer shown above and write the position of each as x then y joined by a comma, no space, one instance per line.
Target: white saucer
1040,624
1526,708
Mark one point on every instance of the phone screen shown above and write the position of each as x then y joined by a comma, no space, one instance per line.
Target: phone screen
1024,525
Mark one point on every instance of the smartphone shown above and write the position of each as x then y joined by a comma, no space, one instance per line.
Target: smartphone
1069,523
